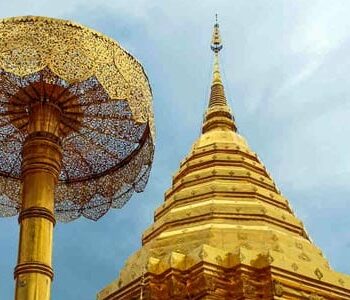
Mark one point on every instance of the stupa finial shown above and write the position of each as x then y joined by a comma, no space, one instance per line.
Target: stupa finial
218,113
216,43
216,46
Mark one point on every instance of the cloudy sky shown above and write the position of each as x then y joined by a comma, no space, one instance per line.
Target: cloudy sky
286,68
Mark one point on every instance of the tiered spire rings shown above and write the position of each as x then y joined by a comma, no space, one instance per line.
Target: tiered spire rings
218,113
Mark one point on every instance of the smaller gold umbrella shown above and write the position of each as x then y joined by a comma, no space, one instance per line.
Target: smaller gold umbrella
76,134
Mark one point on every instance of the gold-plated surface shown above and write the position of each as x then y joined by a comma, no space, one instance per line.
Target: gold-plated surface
216,73
75,53
216,42
225,231
41,165
76,134
218,114
105,126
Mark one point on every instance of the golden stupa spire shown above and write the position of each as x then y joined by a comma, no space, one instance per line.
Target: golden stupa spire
224,230
218,114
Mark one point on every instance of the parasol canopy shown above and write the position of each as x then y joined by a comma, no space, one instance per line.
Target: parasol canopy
106,126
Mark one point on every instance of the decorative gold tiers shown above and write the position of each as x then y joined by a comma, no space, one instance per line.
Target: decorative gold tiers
224,215
225,231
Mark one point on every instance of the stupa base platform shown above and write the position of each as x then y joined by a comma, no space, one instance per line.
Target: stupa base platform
244,274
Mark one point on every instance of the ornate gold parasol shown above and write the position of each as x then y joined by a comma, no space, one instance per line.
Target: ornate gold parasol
76,133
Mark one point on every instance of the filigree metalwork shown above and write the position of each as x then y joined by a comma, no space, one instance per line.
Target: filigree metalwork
106,126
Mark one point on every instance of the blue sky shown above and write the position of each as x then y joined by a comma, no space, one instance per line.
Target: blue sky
286,67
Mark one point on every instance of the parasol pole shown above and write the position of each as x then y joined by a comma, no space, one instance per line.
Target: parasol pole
41,165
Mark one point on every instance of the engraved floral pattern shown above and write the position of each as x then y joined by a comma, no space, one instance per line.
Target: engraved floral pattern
106,128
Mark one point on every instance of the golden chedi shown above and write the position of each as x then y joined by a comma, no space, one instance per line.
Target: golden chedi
224,230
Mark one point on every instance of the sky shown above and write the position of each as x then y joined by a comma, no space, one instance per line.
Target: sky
286,70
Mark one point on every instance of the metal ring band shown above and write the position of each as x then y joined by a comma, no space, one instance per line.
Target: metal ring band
37,212
33,267
43,134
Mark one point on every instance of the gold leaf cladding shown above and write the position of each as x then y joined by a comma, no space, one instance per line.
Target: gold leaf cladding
278,288
304,256
107,119
315,297
318,273
75,53
295,267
